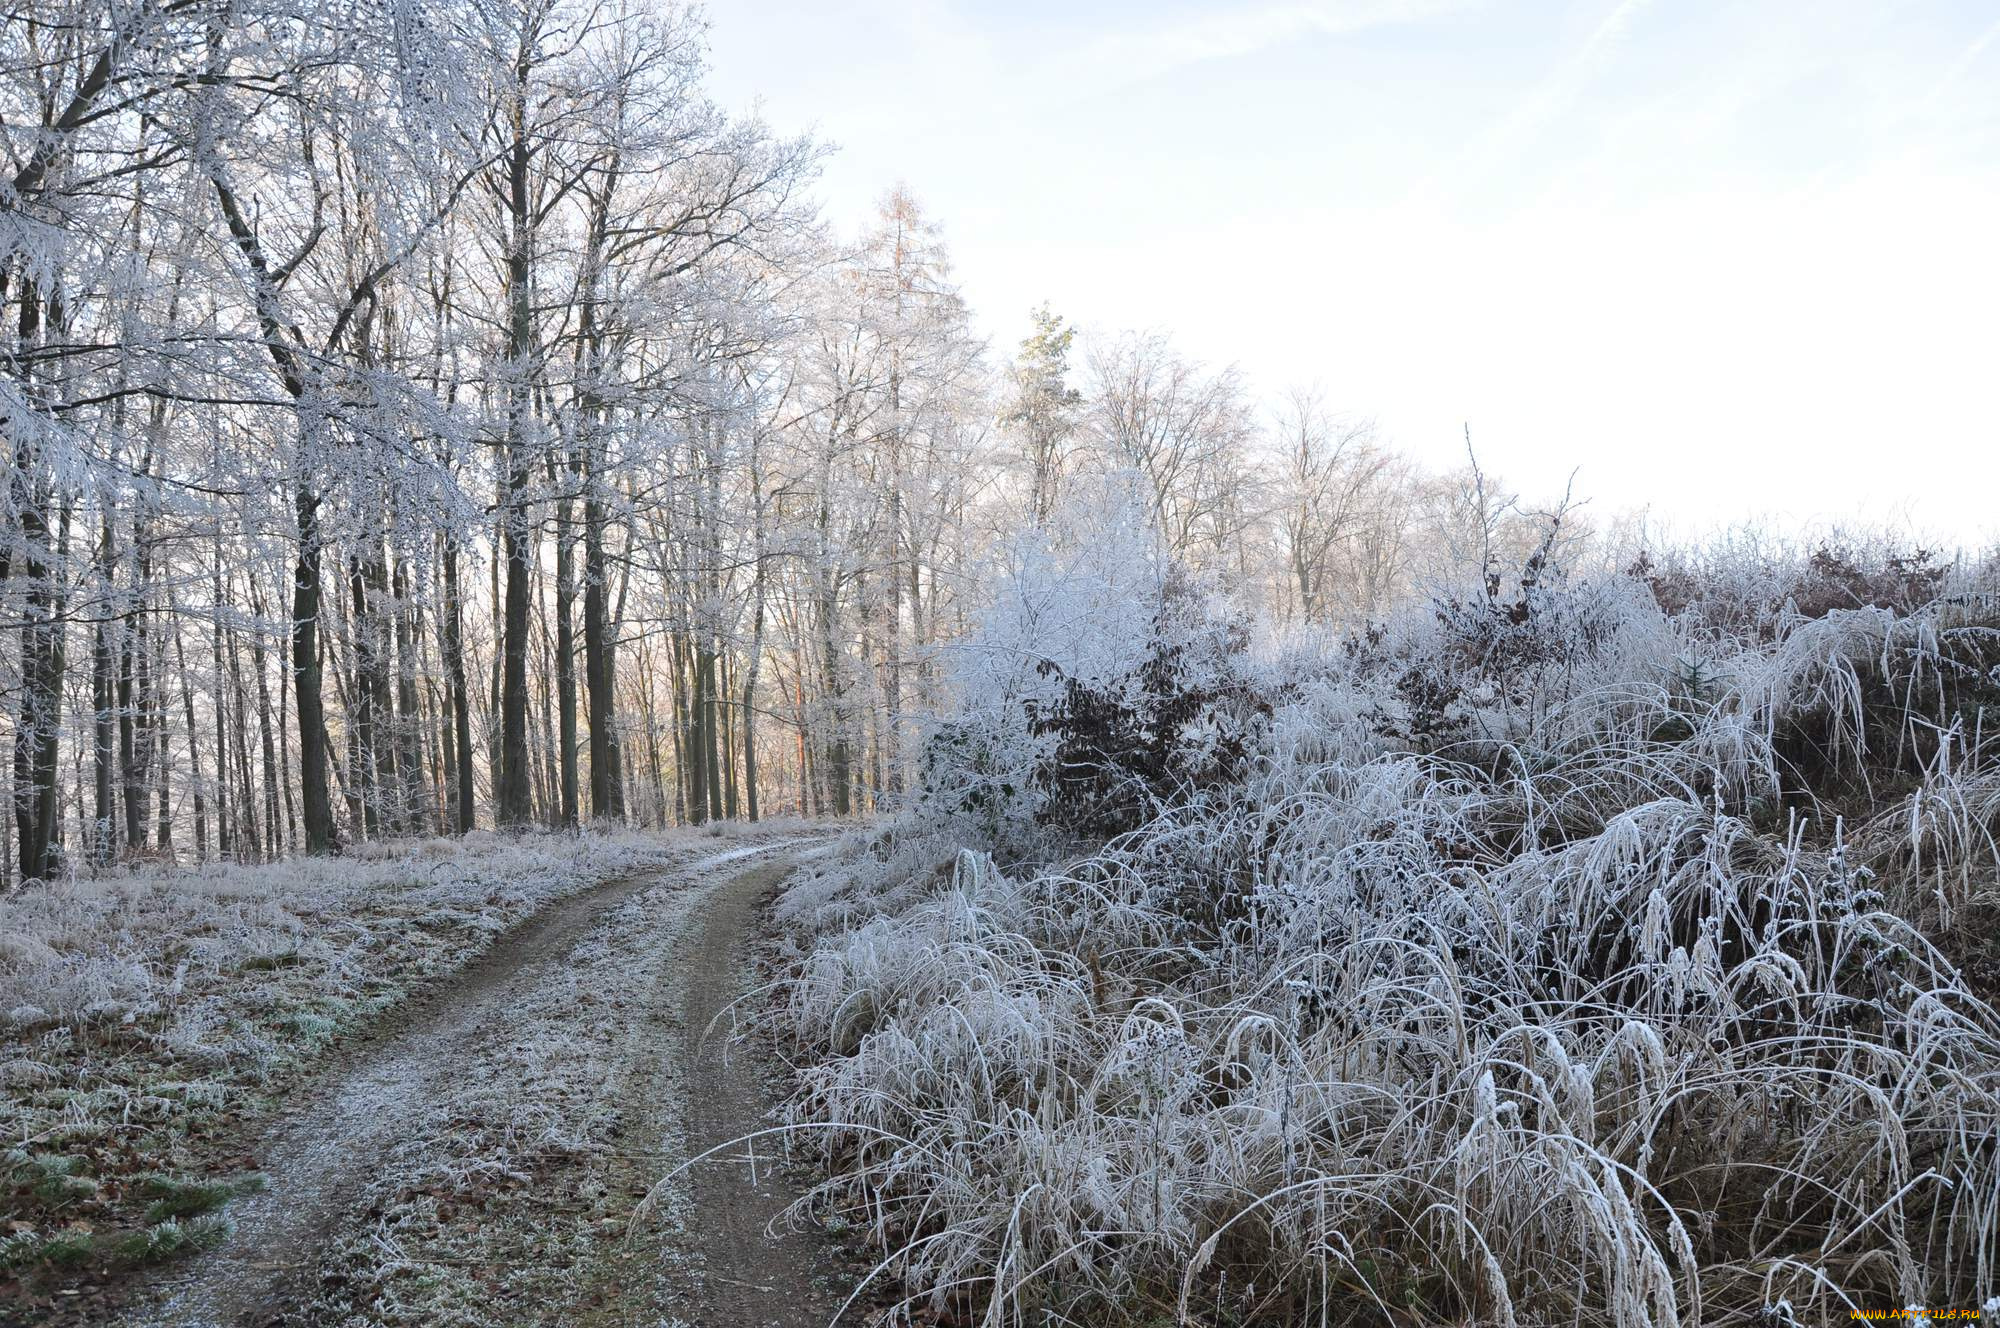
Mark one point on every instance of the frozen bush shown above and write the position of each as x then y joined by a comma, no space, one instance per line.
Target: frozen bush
1520,967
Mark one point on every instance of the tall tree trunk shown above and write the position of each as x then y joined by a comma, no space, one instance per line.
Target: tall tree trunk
758,587
350,770
194,747
246,799
285,754
315,804
103,696
893,648
163,806
692,756
266,741
799,702
361,767
284,349
839,745
543,725
646,693
461,708
139,641
38,725
725,734
566,660
708,753
606,789
374,624
445,777
409,723
225,831
890,748
130,780
37,756
514,799
514,807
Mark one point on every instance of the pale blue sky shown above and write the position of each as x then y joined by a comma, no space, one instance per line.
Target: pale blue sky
1730,259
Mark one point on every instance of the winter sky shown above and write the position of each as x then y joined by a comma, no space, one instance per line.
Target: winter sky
1731,259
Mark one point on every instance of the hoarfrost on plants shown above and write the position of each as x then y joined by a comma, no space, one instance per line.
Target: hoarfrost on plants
1548,957
145,1010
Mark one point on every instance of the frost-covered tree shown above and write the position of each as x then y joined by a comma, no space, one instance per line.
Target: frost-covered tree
420,415
1330,484
1186,431
1042,410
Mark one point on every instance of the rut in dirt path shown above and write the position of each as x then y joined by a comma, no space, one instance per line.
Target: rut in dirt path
750,1272
322,1154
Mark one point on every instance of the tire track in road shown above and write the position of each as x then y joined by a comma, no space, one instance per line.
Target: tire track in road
321,1155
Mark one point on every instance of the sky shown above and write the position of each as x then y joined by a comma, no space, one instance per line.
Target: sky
1727,262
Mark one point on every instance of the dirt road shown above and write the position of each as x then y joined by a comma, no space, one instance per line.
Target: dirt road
479,1158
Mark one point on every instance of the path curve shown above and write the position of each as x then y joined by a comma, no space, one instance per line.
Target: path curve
677,1092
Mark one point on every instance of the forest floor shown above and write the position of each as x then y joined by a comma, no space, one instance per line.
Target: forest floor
482,1153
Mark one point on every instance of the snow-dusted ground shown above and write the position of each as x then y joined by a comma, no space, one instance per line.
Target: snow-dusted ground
481,1146
239,966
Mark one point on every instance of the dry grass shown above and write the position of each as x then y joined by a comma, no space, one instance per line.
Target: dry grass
1592,1011
142,1014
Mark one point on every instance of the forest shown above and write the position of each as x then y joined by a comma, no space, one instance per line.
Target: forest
541,673
432,417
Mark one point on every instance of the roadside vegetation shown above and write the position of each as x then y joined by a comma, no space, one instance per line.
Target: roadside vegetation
1605,945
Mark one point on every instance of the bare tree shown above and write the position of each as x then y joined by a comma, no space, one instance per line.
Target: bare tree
1183,430
1331,471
